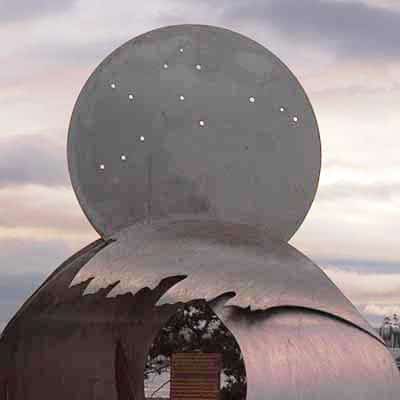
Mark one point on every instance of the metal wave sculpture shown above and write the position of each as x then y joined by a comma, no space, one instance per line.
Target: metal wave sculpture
195,154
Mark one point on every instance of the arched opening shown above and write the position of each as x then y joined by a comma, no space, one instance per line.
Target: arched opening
195,356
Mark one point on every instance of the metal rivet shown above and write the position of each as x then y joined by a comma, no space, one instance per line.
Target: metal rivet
113,85
202,123
181,97
198,67
165,66
142,138
252,99
295,119
282,109
123,157
102,166
181,50
131,97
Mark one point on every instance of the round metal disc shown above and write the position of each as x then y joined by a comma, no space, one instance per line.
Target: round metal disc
194,119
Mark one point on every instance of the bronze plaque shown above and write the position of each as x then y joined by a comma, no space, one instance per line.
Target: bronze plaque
195,376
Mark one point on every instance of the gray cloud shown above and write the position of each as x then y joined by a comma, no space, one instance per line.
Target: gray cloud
15,10
33,159
21,256
57,52
24,264
374,292
14,290
38,209
347,28
361,265
343,190
374,319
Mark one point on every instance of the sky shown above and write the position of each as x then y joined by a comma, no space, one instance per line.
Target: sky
346,54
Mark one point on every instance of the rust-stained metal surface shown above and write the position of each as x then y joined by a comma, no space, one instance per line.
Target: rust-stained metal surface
195,376
194,119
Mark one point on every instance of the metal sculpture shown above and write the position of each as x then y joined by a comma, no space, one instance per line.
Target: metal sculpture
195,154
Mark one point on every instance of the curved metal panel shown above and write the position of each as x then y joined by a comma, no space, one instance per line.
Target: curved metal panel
53,287
216,258
288,353
194,119
64,344
298,354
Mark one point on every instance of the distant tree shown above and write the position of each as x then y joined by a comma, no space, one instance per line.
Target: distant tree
195,327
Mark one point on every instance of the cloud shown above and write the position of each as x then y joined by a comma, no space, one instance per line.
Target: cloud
16,10
347,28
42,212
367,287
353,229
375,292
33,159
14,287
59,40
382,310
353,217
14,290
22,256
354,78
380,191
361,265
388,4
